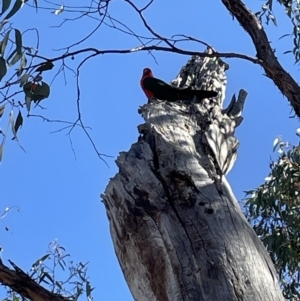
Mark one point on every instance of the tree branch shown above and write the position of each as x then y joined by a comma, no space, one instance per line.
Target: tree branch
24,285
147,48
285,83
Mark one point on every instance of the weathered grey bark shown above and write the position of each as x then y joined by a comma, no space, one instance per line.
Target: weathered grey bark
178,231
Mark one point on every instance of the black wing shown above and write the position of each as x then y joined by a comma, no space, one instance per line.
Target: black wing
188,93
160,89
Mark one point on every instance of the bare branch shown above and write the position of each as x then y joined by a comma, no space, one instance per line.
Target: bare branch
188,38
129,32
94,30
58,121
148,27
79,113
144,8
147,48
282,79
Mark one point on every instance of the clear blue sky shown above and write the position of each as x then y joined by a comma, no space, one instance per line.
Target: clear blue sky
59,196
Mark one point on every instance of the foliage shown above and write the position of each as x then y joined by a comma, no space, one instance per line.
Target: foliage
272,208
292,9
60,275
13,51
274,211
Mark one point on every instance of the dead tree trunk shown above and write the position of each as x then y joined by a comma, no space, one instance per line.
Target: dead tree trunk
177,228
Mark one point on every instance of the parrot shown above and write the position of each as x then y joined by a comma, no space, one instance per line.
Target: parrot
154,87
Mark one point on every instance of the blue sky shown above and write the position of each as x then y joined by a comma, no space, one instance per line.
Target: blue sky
59,194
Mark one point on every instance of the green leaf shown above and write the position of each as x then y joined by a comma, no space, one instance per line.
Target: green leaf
35,4
58,285
59,11
16,298
289,12
24,79
1,150
5,5
276,142
40,260
22,64
24,61
47,275
2,110
12,122
2,24
247,192
272,17
11,55
270,2
4,43
18,4
19,122
45,66
18,39
61,265
88,289
285,35
43,279
3,68
15,59
28,102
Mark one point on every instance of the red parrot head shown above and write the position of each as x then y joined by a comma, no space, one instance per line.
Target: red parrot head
147,72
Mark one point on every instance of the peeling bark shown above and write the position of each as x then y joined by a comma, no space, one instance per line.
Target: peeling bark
177,229
281,78
24,285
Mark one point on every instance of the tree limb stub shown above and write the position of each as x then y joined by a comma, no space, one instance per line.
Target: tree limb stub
24,285
177,229
285,83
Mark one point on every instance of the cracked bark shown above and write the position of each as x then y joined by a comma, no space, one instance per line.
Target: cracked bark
281,78
177,229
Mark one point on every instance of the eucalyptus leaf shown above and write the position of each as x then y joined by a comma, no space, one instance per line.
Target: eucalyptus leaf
19,122
4,43
18,39
28,102
24,78
5,5
276,142
3,68
3,22
15,59
1,150
2,108
35,4
18,4
12,122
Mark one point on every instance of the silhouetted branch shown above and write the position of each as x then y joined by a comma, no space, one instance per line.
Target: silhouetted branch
144,8
24,285
139,11
57,121
79,118
147,48
105,7
265,54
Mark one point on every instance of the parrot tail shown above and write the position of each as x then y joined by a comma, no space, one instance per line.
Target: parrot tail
200,94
